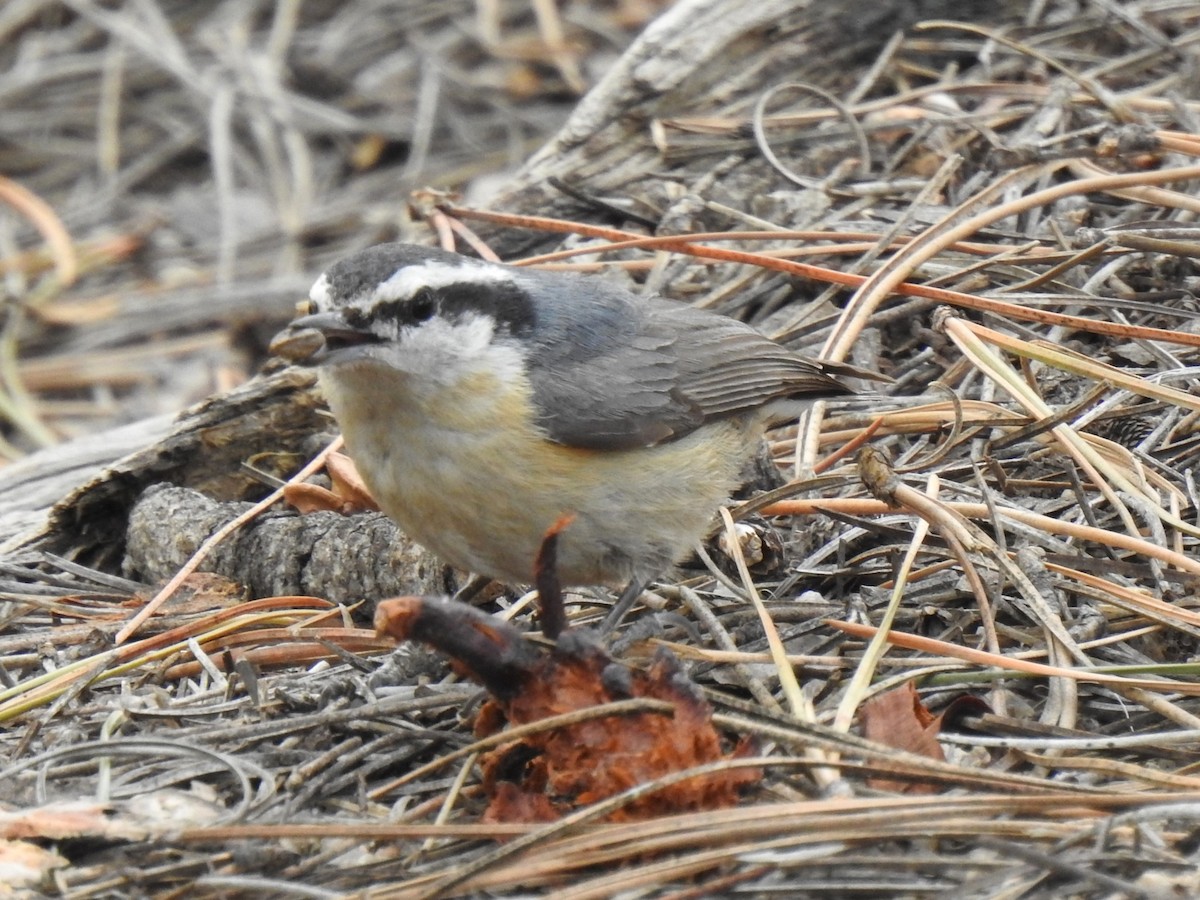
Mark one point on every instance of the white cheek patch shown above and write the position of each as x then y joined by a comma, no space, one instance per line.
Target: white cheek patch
441,341
319,293
406,282
444,351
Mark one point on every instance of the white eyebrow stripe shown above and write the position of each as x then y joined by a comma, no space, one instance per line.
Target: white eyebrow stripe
406,282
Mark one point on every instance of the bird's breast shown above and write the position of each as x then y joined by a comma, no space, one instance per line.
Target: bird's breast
459,466
466,471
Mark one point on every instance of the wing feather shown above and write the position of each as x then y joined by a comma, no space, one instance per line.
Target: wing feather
629,372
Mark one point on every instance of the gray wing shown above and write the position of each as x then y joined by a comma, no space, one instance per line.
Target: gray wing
644,372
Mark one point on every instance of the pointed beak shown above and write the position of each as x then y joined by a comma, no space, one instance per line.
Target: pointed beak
311,340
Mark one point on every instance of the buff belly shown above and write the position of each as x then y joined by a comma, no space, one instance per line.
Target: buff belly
464,472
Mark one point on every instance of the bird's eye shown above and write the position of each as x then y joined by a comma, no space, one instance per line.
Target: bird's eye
423,305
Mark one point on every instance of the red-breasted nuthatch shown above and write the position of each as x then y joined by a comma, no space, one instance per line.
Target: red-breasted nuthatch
481,402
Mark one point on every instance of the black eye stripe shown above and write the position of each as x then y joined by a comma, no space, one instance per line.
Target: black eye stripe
356,318
423,305
507,303
418,308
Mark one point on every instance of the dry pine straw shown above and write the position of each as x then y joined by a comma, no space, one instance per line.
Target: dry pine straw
1026,533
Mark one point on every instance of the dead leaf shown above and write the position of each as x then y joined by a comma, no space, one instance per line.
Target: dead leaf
310,498
557,771
348,495
899,719
550,773
348,484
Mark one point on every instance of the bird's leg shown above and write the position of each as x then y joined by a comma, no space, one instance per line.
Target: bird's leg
632,591
469,591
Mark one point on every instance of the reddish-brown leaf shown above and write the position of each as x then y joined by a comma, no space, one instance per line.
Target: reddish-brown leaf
899,719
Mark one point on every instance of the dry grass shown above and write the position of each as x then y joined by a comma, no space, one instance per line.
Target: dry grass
1001,221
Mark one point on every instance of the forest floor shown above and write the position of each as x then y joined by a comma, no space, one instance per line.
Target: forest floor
962,656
